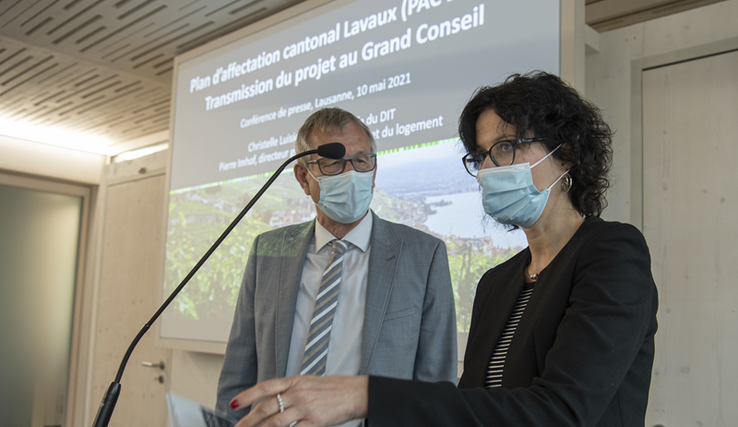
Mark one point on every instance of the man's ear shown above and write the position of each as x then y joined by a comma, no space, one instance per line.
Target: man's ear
301,175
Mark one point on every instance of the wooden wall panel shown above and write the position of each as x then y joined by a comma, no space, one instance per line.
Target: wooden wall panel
606,15
690,204
130,283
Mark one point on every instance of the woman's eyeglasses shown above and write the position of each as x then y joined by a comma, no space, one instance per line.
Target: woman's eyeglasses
502,154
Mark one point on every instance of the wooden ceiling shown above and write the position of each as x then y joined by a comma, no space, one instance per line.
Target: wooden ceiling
104,67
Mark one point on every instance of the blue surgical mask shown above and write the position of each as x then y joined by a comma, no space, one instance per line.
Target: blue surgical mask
345,197
509,196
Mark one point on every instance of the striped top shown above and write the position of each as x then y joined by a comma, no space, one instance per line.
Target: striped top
497,362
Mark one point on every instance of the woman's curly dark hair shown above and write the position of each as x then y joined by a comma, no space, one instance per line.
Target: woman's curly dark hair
542,105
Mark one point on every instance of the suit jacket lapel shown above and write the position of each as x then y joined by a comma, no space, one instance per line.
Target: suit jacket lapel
294,249
493,316
385,254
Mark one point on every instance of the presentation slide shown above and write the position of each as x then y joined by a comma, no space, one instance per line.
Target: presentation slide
405,68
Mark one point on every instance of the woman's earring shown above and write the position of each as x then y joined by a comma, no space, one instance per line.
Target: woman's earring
566,183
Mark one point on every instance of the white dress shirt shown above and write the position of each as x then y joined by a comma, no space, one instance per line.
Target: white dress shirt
344,347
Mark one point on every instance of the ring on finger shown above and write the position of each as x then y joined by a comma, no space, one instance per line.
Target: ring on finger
281,404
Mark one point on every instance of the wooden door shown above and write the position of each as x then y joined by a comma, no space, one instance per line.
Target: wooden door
130,286
690,202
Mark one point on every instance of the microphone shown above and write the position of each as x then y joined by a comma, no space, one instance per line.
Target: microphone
333,150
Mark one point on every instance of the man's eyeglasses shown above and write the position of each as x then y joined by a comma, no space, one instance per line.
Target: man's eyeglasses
362,162
502,154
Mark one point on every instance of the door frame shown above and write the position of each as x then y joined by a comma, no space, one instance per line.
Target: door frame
637,67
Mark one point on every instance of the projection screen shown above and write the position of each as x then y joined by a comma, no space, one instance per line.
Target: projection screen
404,67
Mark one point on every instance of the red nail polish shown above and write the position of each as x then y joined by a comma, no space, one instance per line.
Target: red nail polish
234,404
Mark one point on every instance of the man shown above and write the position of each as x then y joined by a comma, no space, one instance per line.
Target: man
378,301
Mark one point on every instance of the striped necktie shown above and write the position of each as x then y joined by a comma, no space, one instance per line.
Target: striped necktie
316,349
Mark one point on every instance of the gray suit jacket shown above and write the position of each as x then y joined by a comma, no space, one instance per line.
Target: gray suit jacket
409,324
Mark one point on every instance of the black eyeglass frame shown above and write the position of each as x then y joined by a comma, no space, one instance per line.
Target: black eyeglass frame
345,160
513,142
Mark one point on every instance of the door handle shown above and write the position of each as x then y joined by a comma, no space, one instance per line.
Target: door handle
159,365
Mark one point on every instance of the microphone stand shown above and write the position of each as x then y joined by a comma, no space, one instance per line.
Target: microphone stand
110,398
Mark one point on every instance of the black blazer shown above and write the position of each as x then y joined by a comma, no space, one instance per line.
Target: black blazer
581,355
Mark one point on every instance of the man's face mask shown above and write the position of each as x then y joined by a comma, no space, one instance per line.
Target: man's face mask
345,198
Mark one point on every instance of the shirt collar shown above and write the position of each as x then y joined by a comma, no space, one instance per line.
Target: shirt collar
360,236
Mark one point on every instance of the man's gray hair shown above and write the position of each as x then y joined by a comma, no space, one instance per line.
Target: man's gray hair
331,120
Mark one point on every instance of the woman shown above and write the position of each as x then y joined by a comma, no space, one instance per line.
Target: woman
562,333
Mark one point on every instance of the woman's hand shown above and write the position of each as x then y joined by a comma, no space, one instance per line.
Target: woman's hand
311,401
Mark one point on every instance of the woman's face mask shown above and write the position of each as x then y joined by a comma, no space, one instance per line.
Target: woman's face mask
509,196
